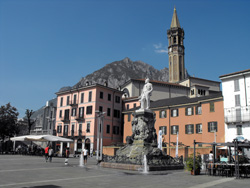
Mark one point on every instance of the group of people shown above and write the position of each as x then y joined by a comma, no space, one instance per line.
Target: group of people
49,152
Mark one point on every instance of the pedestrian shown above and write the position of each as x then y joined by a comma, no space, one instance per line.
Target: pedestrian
51,152
67,156
85,155
211,156
46,151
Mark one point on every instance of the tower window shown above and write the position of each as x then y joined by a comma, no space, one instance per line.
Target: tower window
174,40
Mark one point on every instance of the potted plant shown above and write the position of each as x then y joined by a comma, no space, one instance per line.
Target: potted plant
190,164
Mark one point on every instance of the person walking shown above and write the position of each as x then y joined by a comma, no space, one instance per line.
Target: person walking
85,155
67,156
51,152
46,151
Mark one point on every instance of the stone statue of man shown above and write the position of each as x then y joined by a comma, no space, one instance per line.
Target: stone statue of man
145,95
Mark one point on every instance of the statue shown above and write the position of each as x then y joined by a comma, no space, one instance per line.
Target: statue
145,95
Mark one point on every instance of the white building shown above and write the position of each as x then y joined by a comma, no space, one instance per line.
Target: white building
236,93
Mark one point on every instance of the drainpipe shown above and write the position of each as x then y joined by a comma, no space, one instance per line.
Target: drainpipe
169,130
245,88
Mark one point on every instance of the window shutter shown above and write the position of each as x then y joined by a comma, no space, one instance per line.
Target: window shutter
186,129
208,125
192,127
186,111
171,113
192,110
177,112
171,129
177,128
196,110
197,126
216,127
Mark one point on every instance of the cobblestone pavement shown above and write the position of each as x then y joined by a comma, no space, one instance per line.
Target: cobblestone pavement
34,172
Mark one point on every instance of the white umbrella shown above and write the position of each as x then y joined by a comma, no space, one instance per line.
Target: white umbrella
41,138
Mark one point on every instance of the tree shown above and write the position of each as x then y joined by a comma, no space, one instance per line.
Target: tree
8,121
29,120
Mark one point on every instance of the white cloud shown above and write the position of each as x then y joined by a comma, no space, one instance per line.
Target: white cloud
159,49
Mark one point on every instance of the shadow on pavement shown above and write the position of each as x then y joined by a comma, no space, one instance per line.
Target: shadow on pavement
44,186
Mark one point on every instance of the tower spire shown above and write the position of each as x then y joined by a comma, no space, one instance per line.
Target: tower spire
175,21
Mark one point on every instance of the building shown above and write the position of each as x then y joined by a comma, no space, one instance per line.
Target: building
200,119
236,93
77,118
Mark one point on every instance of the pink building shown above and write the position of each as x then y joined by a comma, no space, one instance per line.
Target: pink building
77,118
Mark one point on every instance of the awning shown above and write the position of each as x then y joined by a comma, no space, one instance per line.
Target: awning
41,138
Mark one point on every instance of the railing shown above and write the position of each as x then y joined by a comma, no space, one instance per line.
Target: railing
237,114
64,119
73,103
41,132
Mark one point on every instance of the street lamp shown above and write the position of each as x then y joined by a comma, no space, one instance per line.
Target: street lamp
100,116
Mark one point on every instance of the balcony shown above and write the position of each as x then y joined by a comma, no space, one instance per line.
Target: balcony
77,133
64,119
237,114
41,132
73,103
79,118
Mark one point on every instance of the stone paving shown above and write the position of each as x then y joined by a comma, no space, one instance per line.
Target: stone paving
34,172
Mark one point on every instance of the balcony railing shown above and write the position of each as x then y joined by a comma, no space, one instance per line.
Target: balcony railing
237,114
64,119
41,132
73,103
79,118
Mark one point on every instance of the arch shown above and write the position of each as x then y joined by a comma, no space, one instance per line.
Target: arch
126,93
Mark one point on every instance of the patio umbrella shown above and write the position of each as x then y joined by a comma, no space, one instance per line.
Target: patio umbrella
41,138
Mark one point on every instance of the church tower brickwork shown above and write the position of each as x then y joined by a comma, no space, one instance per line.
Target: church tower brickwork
176,50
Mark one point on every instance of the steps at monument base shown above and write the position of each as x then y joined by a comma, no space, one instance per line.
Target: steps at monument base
137,167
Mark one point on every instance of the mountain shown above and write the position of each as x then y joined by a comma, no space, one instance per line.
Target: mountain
118,72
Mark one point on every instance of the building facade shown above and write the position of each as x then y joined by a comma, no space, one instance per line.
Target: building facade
77,116
200,119
236,93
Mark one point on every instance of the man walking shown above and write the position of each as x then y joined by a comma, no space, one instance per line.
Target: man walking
46,151
51,152
85,155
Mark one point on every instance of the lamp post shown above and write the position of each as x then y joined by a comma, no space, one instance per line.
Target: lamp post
100,116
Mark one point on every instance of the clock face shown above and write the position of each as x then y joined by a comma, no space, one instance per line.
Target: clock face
180,49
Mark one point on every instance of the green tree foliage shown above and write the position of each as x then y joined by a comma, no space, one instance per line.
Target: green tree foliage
8,121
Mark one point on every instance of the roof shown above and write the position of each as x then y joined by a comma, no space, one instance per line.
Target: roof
235,73
181,101
153,82
85,87
175,21
196,78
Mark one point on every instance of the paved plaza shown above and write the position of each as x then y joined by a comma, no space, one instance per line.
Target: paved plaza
34,172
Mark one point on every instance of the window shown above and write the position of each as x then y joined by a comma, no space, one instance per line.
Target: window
192,92
117,99
116,113
61,103
73,113
239,129
174,129
115,130
81,112
211,106
100,108
238,115
189,111
236,85
60,114
59,128
67,100
212,126
163,129
199,128
174,40
108,112
109,97
174,113
101,95
134,105
74,102
127,106
237,100
201,92
198,110
163,114
90,96
108,129
80,130
72,129
189,129
129,117
65,130
66,114
89,110
82,97
88,127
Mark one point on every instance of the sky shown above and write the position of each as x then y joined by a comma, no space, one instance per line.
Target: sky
48,44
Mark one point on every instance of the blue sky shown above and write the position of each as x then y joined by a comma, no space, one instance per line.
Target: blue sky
48,44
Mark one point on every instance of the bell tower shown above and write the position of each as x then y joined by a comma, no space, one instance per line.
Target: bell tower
176,50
